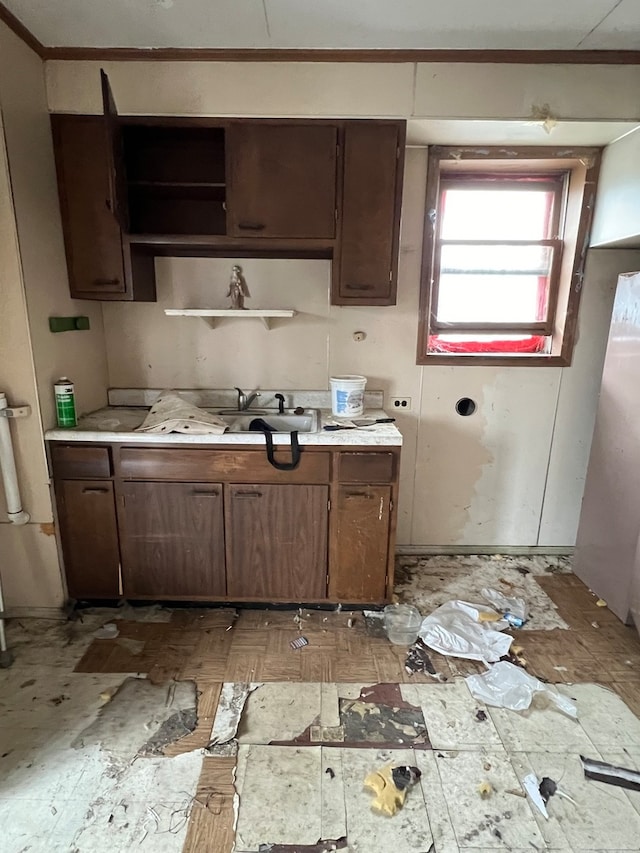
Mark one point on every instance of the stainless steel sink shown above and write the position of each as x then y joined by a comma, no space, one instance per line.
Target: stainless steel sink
308,421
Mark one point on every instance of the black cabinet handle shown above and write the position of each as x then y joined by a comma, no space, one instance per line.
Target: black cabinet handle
248,494
251,226
94,491
360,287
208,494
105,282
364,495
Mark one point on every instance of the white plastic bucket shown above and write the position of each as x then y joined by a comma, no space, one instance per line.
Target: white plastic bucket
347,395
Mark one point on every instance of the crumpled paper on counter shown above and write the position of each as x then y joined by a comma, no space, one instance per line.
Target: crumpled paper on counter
170,413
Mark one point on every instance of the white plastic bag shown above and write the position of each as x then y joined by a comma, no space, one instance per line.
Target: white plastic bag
510,607
509,686
464,630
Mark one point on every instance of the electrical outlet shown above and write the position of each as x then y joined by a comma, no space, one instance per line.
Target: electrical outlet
403,403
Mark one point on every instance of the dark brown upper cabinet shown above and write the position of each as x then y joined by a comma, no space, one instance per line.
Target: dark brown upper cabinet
93,238
283,180
365,263
100,264
132,188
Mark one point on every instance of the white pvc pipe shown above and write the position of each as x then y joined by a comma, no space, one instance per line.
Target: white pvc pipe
9,474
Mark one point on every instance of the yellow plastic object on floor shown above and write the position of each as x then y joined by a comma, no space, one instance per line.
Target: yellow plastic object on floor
389,797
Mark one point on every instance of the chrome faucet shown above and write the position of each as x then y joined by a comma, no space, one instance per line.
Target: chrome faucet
245,400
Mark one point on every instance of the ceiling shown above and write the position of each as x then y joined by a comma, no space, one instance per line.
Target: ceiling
337,24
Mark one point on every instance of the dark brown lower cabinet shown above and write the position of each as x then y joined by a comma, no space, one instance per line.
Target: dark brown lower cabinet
277,542
89,532
196,524
172,539
361,543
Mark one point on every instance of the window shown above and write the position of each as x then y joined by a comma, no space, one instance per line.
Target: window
505,239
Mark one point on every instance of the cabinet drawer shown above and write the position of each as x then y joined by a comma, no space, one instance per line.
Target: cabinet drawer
73,462
204,466
366,467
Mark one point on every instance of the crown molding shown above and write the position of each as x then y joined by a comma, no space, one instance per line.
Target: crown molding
170,54
21,31
385,55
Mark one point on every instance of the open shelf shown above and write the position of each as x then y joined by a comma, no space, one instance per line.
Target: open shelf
211,314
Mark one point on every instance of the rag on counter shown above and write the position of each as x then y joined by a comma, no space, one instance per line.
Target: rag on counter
170,413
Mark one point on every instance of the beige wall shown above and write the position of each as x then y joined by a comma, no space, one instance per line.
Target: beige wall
439,90
33,287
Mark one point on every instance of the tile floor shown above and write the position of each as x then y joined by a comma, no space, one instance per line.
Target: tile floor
74,775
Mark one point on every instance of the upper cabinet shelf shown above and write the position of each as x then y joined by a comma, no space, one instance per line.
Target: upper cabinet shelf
132,188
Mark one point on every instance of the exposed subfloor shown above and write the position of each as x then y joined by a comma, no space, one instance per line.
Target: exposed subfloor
101,749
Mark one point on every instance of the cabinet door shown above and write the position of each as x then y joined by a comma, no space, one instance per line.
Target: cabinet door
277,542
88,528
92,236
365,268
282,180
115,156
172,540
361,536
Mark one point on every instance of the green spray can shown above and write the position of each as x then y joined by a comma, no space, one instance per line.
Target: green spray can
65,402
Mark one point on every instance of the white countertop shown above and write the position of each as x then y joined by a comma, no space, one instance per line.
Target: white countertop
118,423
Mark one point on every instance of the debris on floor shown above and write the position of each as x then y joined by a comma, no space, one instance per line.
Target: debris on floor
508,686
142,718
299,642
485,789
134,647
461,629
178,725
481,716
601,603
418,660
390,786
374,623
427,582
532,787
622,777
514,610
516,656
107,632
323,846
547,789
233,697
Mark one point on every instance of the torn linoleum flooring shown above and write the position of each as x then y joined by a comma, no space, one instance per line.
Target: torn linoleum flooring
471,791
98,799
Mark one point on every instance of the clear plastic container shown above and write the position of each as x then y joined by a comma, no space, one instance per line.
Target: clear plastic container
402,623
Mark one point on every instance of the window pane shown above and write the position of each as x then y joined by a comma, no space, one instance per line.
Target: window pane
495,214
493,284
512,260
